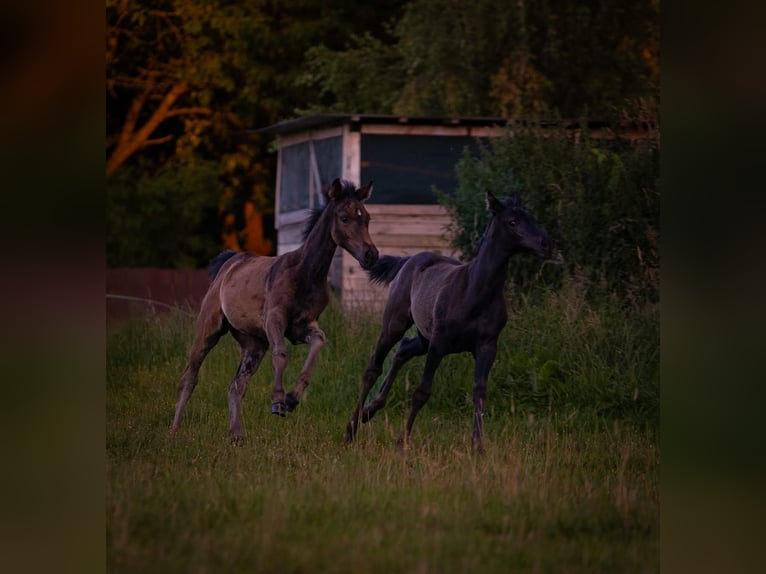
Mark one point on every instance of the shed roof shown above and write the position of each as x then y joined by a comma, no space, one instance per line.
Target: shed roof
314,121
331,120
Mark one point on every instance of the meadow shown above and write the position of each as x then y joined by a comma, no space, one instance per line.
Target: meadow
568,482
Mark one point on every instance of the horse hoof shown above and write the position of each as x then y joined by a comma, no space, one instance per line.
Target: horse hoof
236,440
291,402
278,408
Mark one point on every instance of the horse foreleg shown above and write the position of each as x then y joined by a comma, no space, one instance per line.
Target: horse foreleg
484,357
422,393
275,331
251,351
316,340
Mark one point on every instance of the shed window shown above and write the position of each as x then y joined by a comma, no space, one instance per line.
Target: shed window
305,169
406,167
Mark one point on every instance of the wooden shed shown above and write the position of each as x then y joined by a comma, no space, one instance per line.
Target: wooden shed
406,157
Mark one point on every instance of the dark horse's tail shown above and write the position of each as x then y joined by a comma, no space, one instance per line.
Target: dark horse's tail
386,268
217,262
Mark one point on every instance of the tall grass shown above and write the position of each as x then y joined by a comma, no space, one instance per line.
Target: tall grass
568,481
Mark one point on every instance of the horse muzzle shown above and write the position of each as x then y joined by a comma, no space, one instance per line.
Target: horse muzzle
368,258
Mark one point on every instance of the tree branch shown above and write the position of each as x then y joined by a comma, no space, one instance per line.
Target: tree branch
189,111
157,141
131,140
132,118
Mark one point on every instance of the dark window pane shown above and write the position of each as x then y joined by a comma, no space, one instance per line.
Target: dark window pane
294,184
296,170
405,167
329,155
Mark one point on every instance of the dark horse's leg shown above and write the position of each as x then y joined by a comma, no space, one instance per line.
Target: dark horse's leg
211,325
251,354
484,357
394,328
409,347
275,331
422,392
316,340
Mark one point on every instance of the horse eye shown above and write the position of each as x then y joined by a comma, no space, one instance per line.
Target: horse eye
512,222
344,218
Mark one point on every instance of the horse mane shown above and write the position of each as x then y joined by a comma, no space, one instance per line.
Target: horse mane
314,216
479,243
348,190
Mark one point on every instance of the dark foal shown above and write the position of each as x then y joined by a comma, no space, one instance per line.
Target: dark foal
263,300
455,308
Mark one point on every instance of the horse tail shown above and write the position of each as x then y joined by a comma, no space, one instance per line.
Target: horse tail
217,262
386,268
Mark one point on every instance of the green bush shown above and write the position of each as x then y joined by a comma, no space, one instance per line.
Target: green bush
167,219
599,199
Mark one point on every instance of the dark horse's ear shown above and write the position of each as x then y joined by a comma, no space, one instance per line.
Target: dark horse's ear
335,190
364,193
493,204
515,201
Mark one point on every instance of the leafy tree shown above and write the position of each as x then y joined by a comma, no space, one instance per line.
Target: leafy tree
451,49
172,66
597,55
366,76
433,60
185,79
163,220
182,70
178,72
512,59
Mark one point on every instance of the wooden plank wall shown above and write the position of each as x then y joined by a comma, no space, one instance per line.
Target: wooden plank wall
396,230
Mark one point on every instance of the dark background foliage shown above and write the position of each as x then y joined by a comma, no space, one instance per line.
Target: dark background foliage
187,79
598,198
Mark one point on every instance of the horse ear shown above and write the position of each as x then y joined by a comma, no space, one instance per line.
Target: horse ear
515,200
364,193
335,190
492,203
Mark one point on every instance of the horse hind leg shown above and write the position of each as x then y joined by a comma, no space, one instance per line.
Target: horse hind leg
393,330
422,393
252,351
409,348
484,357
211,326
316,340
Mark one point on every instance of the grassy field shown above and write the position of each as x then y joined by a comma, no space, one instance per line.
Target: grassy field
569,481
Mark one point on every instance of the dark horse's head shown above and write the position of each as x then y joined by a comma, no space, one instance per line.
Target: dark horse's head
517,229
350,220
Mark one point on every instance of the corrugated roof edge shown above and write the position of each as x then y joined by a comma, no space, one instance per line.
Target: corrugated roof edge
330,120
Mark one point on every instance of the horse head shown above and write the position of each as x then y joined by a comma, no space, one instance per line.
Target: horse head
351,221
518,229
